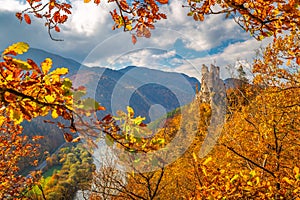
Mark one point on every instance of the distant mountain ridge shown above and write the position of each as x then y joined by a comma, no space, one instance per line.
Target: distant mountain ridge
139,87
146,86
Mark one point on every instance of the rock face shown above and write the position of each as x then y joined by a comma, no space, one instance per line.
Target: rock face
213,92
210,83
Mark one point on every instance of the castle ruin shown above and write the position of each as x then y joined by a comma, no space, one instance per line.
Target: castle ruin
210,83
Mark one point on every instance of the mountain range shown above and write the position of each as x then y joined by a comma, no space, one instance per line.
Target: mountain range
151,93
142,88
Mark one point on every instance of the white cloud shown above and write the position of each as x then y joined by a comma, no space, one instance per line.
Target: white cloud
234,54
87,18
12,5
167,54
88,37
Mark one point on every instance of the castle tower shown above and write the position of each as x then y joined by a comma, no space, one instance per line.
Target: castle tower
210,79
204,90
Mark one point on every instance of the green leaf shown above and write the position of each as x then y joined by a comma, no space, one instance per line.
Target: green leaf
154,162
67,83
90,104
109,140
78,94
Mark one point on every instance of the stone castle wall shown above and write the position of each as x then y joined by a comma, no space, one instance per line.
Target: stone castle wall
209,82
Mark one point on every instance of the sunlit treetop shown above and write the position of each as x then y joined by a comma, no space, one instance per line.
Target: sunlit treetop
259,17
29,90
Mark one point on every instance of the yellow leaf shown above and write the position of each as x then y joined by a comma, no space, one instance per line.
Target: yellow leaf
257,180
21,64
60,71
286,179
204,171
49,99
234,178
207,160
276,12
86,1
2,120
129,27
296,170
10,77
250,183
46,65
261,37
16,116
252,173
54,114
18,48
195,157
130,111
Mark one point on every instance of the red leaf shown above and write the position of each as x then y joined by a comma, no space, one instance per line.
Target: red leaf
133,38
97,2
147,33
162,15
19,16
57,29
34,65
107,118
68,137
27,19
162,1
143,125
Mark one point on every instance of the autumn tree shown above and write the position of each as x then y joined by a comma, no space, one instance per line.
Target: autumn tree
14,147
28,91
256,153
261,18
255,156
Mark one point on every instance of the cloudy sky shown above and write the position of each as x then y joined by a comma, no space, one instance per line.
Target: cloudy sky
178,44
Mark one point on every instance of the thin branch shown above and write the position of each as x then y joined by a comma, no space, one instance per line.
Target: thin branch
247,159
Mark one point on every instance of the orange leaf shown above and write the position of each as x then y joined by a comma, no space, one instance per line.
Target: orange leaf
133,38
162,1
298,60
76,139
57,29
101,108
68,137
97,2
27,19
